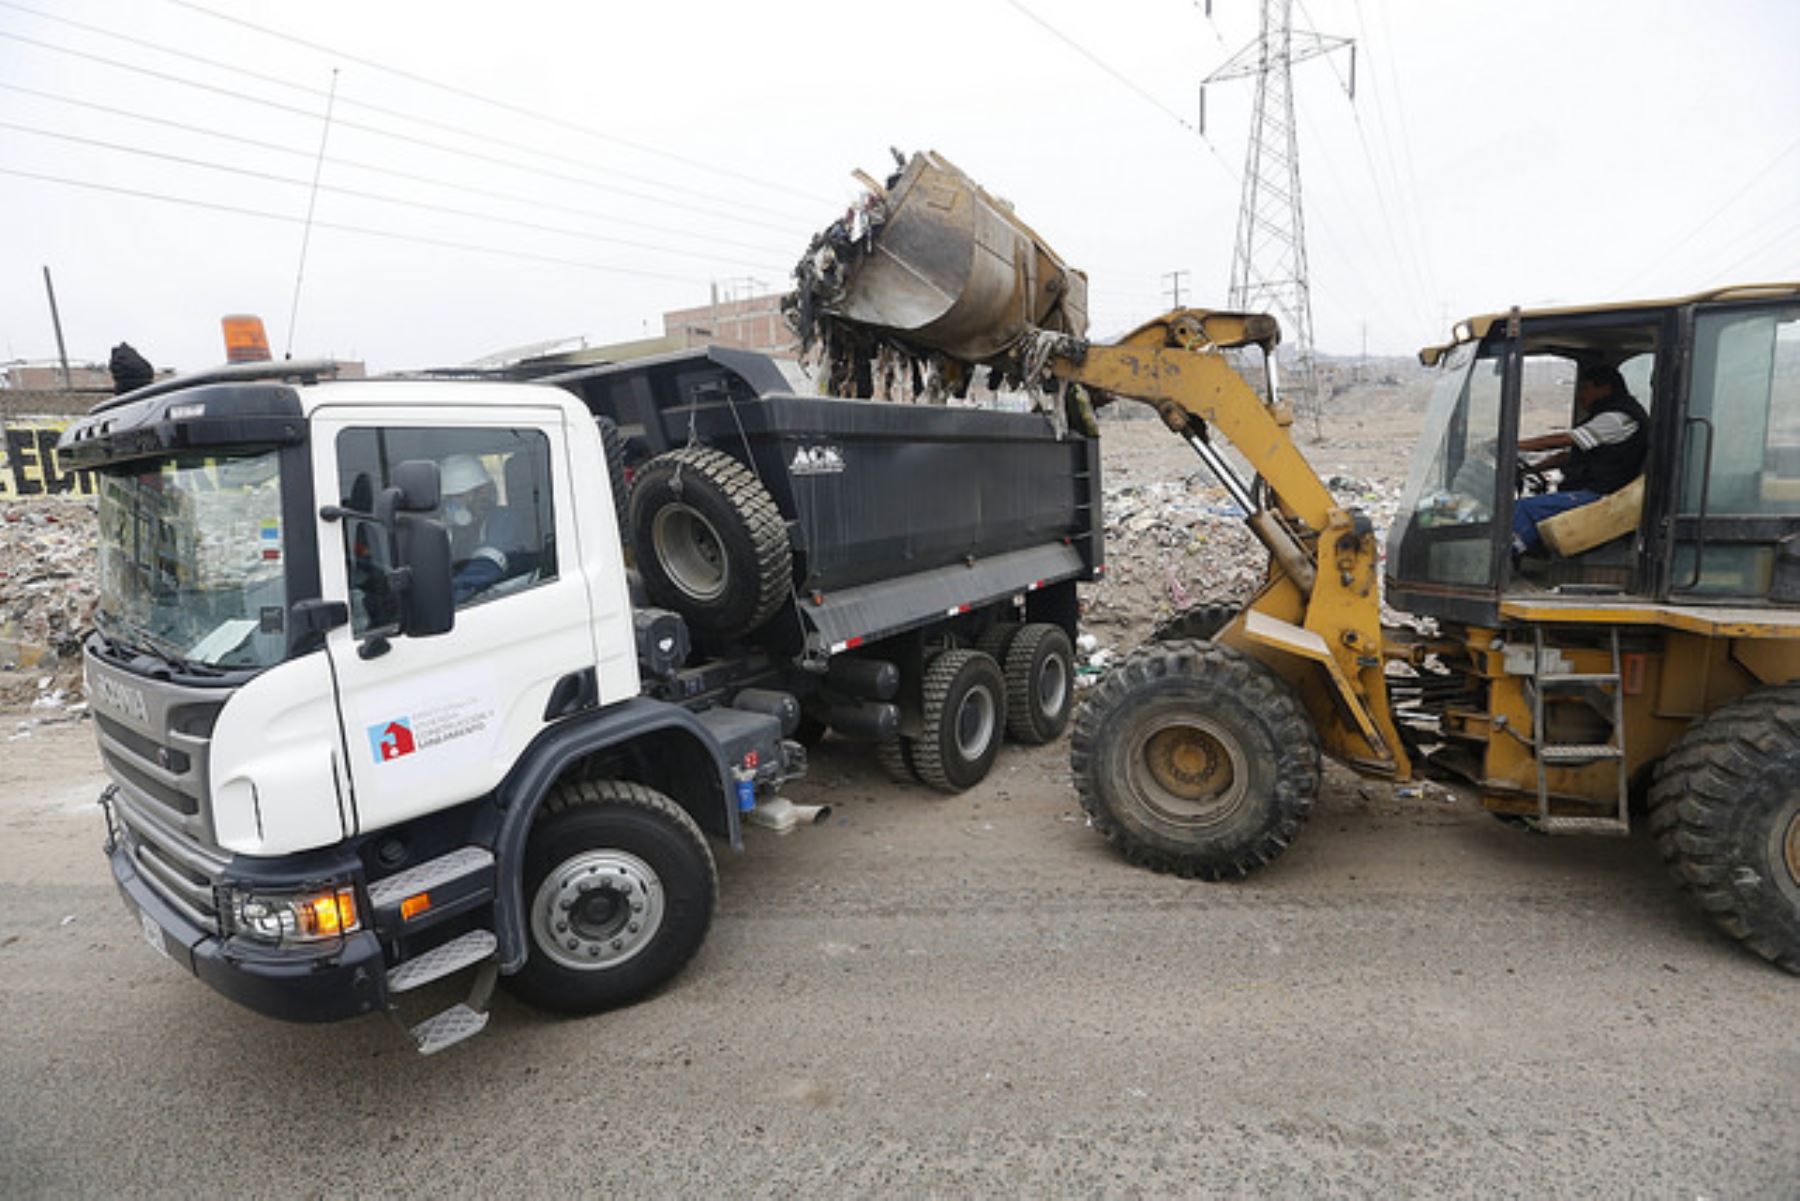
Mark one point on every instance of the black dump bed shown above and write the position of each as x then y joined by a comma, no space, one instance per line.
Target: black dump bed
873,491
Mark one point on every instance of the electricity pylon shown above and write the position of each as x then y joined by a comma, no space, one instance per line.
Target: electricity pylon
1268,262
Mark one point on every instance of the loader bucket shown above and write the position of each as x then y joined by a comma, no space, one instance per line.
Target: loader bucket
952,269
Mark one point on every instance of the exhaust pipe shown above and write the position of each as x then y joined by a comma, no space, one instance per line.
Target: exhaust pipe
782,815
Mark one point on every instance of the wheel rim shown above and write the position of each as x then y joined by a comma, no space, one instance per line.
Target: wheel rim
1053,686
597,910
1188,771
691,551
975,723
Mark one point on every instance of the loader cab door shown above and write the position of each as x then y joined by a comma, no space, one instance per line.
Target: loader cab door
1446,546
1736,522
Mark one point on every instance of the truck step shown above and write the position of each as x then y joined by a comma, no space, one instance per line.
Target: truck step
433,873
448,1028
1574,754
1584,825
435,964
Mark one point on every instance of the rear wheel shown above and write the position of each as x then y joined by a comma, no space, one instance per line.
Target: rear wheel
964,697
1040,684
620,885
1725,808
1195,760
895,755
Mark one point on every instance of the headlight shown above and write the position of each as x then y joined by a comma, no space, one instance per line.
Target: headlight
289,919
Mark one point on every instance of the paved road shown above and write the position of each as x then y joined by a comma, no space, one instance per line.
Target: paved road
957,996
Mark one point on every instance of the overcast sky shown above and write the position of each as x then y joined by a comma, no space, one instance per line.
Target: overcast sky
589,166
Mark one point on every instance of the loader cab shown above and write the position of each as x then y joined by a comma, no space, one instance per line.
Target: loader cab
1714,516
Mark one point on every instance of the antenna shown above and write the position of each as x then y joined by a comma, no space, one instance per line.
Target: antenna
1268,262
311,203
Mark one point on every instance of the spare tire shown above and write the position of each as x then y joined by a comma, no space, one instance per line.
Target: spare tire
613,442
709,541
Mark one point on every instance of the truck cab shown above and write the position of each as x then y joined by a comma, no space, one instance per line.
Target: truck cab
366,682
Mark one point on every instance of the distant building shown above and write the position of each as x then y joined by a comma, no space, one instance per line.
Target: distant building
749,323
48,377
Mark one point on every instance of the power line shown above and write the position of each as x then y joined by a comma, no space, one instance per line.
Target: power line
407,176
491,101
138,43
1130,83
400,137
340,227
359,194
1663,256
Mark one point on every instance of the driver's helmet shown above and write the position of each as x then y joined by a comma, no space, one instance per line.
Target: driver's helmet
462,473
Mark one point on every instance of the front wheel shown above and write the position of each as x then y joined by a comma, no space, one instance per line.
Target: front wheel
620,885
1725,808
1192,759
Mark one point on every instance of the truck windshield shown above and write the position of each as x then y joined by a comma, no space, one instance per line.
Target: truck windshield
191,560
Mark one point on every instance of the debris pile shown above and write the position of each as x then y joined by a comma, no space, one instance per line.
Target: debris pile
1174,543
48,588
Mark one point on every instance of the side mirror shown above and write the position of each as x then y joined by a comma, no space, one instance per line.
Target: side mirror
429,604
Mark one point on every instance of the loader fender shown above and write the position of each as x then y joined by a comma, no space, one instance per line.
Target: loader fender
697,778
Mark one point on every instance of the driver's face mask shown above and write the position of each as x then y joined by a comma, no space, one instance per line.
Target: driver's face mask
458,512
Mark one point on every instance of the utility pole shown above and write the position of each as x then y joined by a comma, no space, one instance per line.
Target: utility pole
1174,278
1268,262
62,352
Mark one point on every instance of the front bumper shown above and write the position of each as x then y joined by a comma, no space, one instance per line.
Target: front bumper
342,980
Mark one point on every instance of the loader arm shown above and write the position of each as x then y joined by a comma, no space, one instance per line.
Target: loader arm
1317,619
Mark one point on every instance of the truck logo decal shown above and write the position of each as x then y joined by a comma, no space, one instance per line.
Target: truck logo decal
391,740
817,460
122,698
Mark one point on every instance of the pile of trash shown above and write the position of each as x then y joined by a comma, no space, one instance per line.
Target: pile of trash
1175,543
48,589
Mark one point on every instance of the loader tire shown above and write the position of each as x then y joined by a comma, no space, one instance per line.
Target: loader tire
964,719
620,887
1201,621
1040,684
709,540
613,442
1192,759
1725,809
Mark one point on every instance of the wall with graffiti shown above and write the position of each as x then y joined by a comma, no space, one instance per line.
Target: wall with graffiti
28,466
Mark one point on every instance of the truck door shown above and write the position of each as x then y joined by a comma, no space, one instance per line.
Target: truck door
430,722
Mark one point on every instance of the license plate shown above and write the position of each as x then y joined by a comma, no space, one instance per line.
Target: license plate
153,934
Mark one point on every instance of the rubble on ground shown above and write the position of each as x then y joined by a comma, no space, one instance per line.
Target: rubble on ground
48,589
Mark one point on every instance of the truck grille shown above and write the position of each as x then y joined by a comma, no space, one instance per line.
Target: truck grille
154,741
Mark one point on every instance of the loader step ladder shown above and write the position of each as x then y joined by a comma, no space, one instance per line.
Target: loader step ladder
1553,754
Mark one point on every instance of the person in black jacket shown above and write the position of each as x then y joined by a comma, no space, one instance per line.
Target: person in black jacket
1604,452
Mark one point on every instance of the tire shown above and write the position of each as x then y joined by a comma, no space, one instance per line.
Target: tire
895,755
614,444
997,639
1725,809
964,696
1192,759
1040,684
641,840
709,541
1201,621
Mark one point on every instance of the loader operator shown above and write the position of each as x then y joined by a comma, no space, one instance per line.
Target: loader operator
482,542
1600,455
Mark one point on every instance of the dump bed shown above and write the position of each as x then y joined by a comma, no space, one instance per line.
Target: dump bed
892,509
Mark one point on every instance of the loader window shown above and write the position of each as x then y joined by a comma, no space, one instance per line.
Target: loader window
496,505
1740,467
1446,522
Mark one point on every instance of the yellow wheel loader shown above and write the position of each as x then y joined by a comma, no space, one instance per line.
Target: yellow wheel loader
1646,642
1651,644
